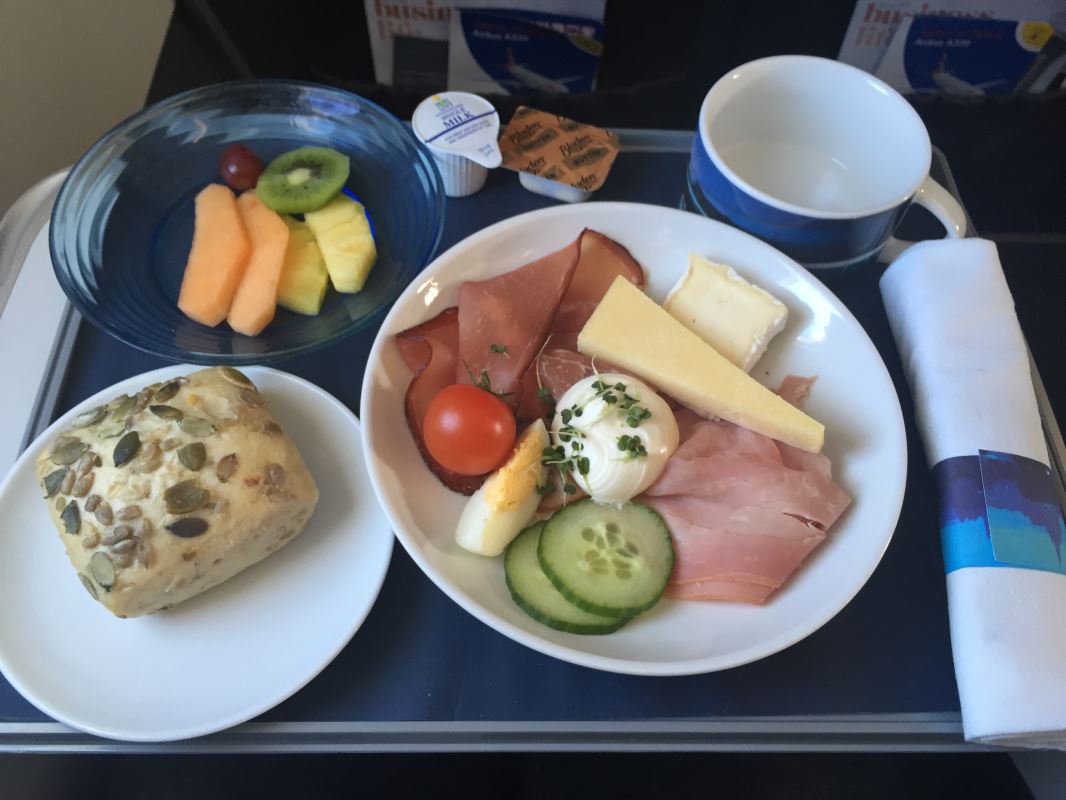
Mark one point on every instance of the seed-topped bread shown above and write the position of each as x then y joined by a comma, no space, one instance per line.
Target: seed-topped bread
164,494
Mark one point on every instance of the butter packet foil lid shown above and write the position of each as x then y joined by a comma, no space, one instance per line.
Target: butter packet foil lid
558,149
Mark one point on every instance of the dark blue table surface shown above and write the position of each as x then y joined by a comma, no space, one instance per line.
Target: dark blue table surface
420,657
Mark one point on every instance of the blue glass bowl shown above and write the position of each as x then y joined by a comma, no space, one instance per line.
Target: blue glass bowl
122,224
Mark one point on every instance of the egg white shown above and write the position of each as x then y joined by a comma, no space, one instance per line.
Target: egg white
506,502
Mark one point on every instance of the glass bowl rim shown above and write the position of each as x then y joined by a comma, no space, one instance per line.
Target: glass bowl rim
174,354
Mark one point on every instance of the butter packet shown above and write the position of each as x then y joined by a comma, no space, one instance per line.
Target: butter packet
557,156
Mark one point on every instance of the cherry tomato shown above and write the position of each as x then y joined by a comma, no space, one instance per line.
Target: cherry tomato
468,430
240,167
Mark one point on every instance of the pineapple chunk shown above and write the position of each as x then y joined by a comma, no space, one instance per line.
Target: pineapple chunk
344,237
304,277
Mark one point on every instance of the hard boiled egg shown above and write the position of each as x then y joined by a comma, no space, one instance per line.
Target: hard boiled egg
506,502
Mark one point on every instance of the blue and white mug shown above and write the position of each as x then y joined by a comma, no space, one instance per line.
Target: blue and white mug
816,157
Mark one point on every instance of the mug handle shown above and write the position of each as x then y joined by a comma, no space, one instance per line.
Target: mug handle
938,201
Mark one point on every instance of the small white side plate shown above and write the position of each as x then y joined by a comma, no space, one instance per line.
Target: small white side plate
854,397
224,656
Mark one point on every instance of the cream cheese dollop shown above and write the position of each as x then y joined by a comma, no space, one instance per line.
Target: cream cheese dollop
615,474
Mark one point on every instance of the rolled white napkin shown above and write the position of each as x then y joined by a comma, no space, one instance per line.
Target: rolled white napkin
965,358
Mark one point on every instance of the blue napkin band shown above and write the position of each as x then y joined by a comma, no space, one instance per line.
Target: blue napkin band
999,510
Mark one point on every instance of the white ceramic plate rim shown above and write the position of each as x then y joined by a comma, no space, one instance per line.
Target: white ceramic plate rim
284,691
695,666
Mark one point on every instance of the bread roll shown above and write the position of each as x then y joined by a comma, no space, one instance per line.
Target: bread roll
160,496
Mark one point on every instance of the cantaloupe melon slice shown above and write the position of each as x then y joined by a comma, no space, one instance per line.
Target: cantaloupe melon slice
256,299
303,277
220,249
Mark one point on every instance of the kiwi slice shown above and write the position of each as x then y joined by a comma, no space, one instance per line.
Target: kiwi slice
302,180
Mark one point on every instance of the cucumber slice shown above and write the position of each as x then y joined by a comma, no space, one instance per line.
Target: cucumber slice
607,560
534,594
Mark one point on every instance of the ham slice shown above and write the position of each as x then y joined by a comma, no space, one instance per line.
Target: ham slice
559,366
416,351
735,543
602,260
503,321
500,328
559,369
431,351
725,466
795,388
744,510
555,370
727,591
557,498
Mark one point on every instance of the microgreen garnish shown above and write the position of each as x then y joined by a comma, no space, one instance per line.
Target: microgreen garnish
635,415
499,348
617,395
568,456
568,432
546,398
566,464
483,381
632,446
605,393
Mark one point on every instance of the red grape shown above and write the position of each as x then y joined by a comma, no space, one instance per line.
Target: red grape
240,167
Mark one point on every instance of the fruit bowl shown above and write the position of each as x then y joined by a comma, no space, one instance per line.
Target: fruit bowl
122,224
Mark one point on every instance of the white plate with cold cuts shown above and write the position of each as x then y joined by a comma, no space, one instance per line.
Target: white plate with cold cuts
864,439
223,656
